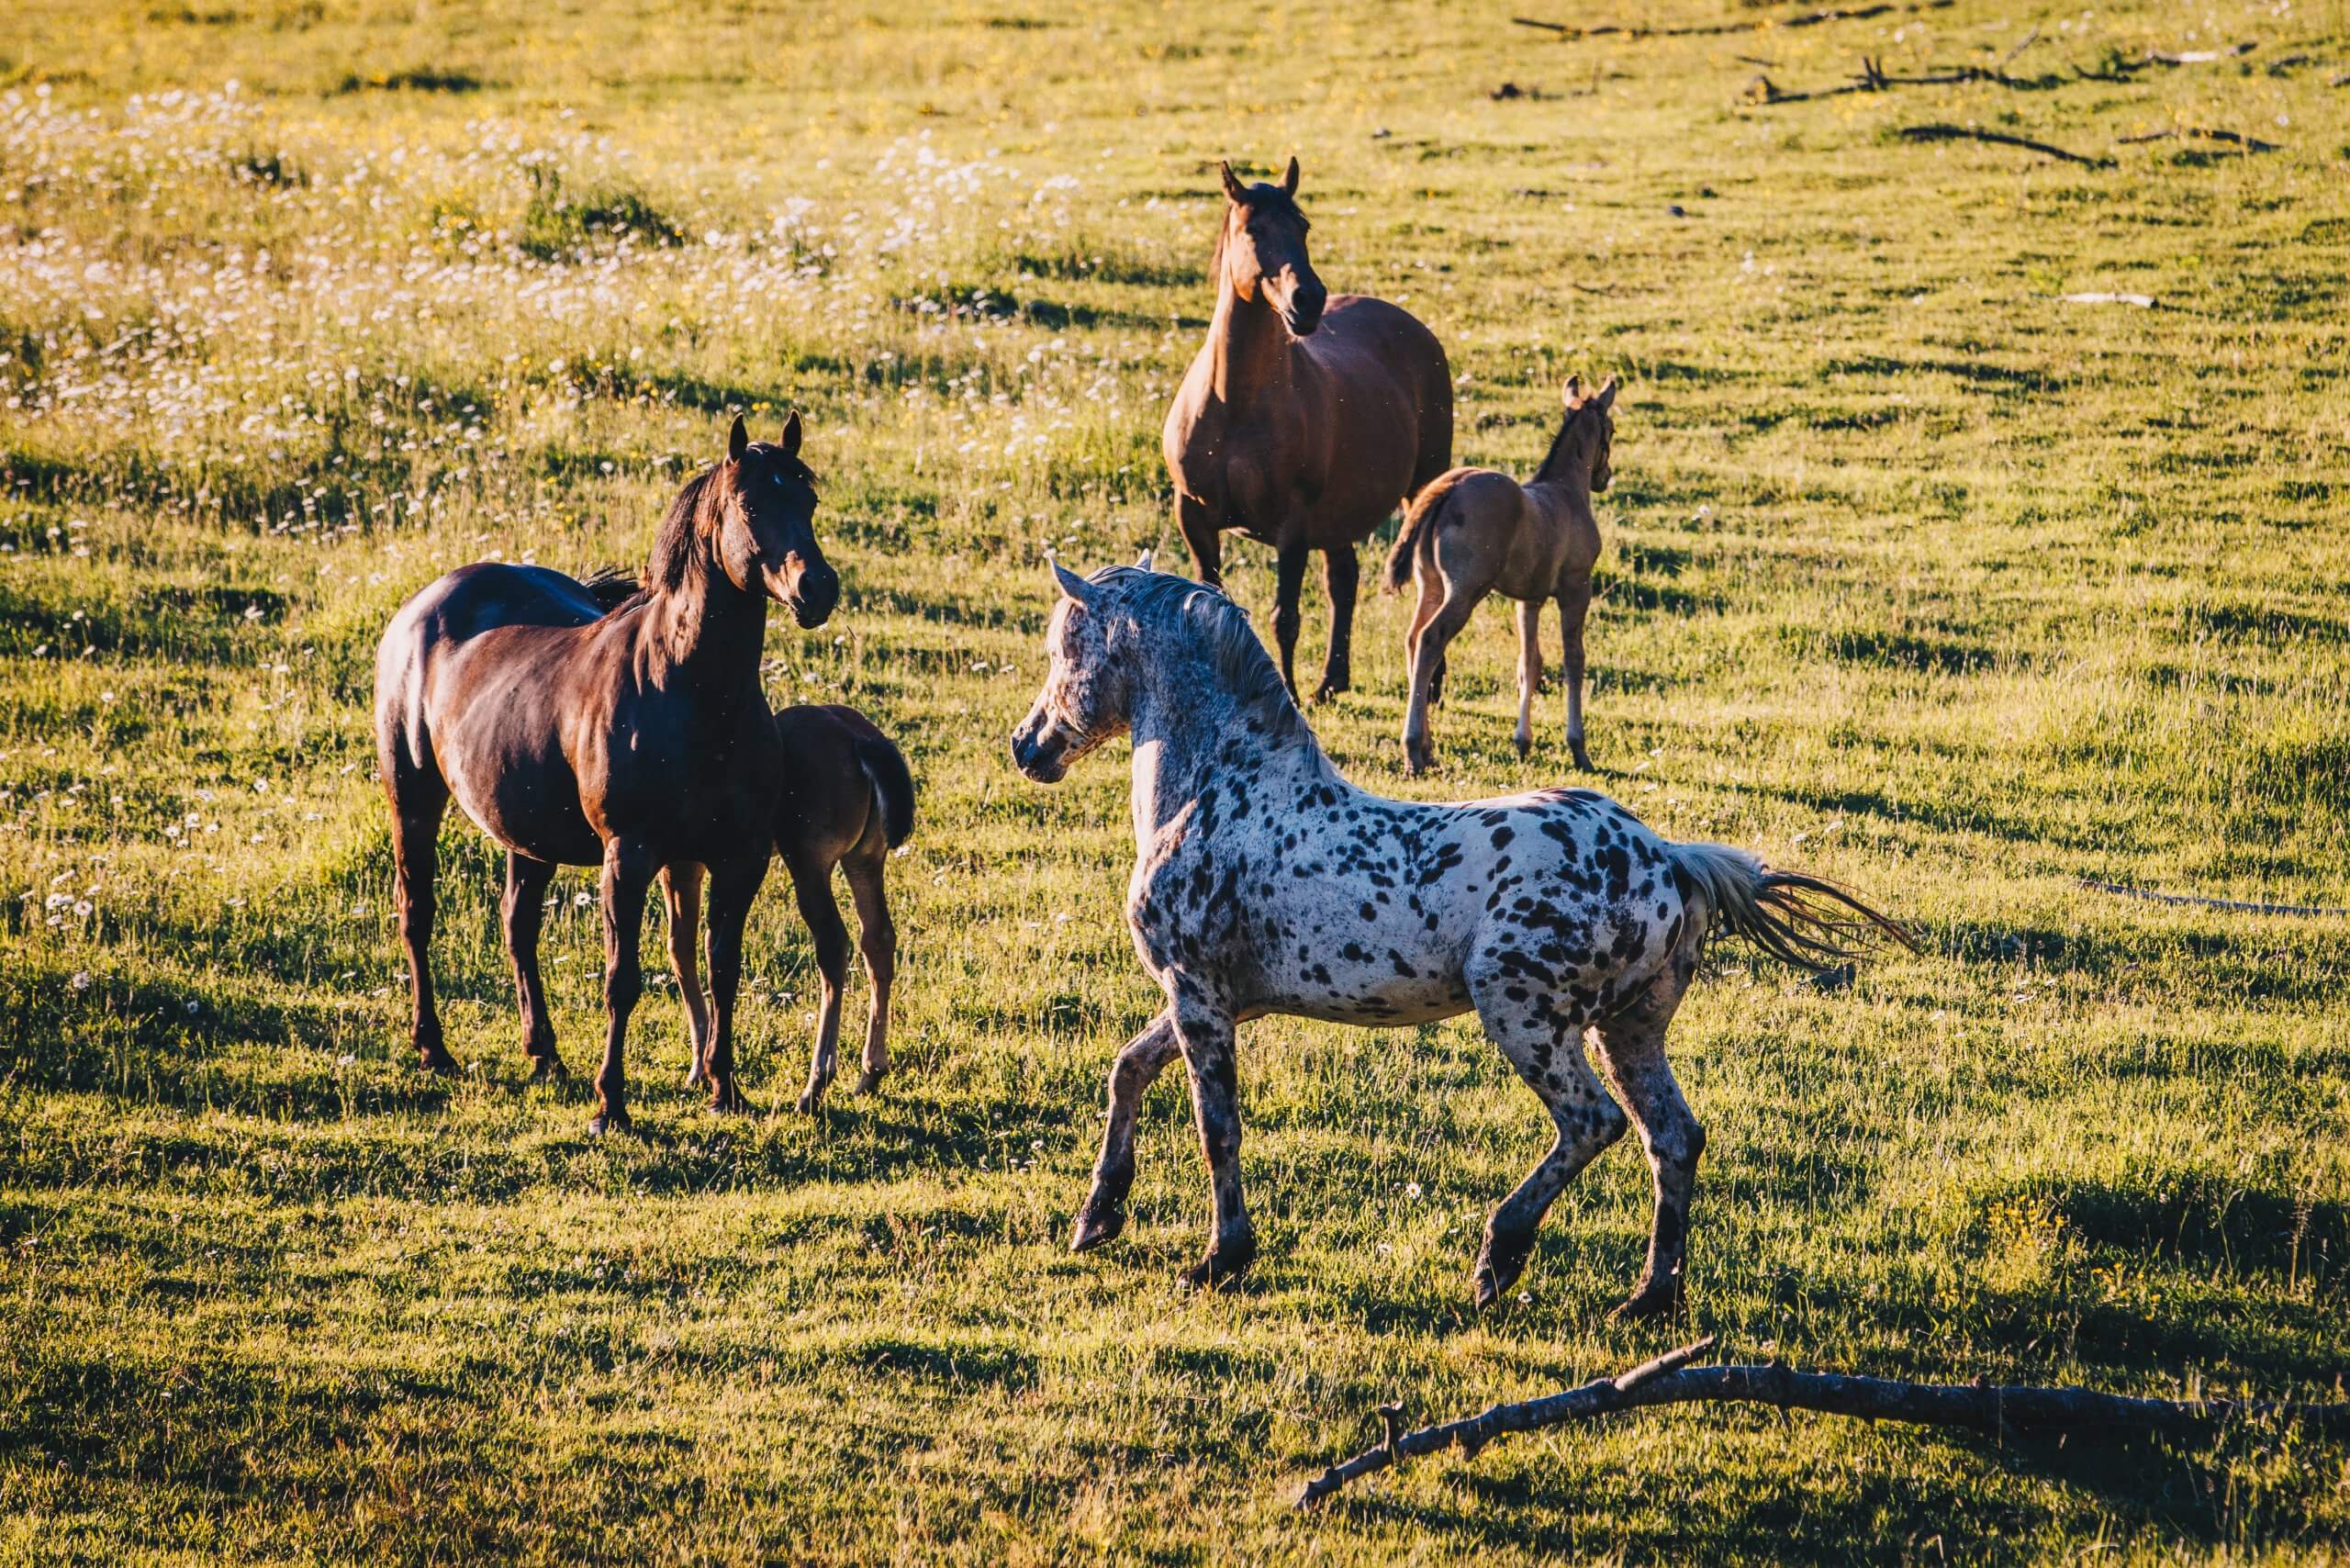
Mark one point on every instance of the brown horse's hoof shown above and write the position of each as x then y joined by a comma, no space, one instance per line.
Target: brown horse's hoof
1650,1300
811,1099
869,1080
438,1062
729,1101
1098,1224
1222,1265
1329,689
549,1069
610,1122
1582,761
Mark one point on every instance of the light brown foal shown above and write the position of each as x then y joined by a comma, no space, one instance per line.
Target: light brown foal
1475,532
843,797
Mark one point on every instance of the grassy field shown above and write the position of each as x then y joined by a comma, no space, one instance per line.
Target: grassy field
1915,574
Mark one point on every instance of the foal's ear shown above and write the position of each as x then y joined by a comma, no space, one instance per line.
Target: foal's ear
1071,584
791,433
1607,398
1232,184
1289,181
1572,395
738,440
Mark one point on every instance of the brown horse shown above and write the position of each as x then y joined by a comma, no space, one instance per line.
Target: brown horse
1475,532
1305,421
633,740
844,798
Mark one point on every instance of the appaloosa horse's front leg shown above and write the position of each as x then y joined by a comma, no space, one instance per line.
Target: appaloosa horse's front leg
523,910
681,891
1631,1048
733,886
1204,1024
1341,574
1137,1068
627,877
1289,583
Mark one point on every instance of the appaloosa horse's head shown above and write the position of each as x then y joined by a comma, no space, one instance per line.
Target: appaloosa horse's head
1586,437
753,517
1261,251
1088,696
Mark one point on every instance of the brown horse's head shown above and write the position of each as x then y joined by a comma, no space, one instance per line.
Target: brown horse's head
753,517
1261,248
1087,698
1587,436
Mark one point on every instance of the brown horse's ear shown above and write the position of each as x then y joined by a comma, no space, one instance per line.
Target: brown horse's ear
1607,398
1289,181
791,433
1232,184
1574,393
738,440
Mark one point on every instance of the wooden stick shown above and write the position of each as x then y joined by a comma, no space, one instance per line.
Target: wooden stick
2237,138
1977,1407
1968,133
2126,892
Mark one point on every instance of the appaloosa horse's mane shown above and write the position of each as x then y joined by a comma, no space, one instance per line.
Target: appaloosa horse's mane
1186,610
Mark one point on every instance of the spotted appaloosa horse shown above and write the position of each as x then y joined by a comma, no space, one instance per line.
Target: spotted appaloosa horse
1264,882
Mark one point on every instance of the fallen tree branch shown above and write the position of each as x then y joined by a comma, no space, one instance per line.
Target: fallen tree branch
2203,133
1807,19
1670,1380
1968,133
2198,56
2124,889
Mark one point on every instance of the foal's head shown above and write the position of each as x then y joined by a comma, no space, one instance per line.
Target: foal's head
1586,438
1261,248
753,517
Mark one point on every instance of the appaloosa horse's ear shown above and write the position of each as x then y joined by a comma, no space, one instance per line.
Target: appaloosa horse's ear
791,433
1607,394
738,440
1289,181
1142,562
1232,184
1574,392
1071,584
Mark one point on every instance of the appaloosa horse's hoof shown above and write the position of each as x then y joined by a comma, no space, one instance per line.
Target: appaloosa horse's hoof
1221,1266
1499,1263
1097,1225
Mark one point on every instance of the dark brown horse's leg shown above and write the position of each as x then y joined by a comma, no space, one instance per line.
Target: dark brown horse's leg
1203,527
811,885
1340,573
1289,582
627,877
419,798
733,885
523,909
878,939
681,891
1574,602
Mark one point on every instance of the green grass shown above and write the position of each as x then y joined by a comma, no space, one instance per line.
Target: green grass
1916,575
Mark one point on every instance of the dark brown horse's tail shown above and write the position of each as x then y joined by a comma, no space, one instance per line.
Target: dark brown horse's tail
1419,524
1797,919
885,765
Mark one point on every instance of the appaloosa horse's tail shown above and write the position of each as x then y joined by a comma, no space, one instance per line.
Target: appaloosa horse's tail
1799,920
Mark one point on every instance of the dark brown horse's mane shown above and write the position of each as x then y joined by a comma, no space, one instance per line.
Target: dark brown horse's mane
673,545
1554,460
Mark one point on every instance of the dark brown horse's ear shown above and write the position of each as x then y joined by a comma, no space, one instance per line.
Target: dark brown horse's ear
1289,181
1574,393
738,440
1232,184
791,433
1607,394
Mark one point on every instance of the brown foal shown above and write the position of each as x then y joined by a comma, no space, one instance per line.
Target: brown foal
1476,532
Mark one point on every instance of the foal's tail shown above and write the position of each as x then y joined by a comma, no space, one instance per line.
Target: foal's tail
1419,526
893,782
1799,920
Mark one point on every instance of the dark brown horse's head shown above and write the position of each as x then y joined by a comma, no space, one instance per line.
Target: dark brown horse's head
753,517
1261,249
1587,436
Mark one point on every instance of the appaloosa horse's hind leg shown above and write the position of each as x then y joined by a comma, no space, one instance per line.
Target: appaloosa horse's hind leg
733,886
681,891
628,875
1341,574
811,885
1204,1023
1575,604
419,796
1549,1057
877,938
1137,1068
523,910
1631,1049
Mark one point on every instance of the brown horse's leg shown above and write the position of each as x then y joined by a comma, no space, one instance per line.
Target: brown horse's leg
878,939
1574,602
418,800
1529,670
811,884
627,877
1444,624
524,909
1631,1048
1289,582
1204,1026
681,891
1137,1068
1203,529
733,885
1340,573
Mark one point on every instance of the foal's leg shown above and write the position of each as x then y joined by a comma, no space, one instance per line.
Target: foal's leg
811,884
524,911
1341,572
1288,581
1204,1026
419,798
1427,656
1529,670
1549,1057
1631,1048
627,875
681,891
733,885
1137,1068
877,940
1574,602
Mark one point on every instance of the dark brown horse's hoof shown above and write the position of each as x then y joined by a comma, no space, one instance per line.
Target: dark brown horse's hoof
869,1080
1220,1267
440,1063
729,1101
1097,1225
610,1122
549,1069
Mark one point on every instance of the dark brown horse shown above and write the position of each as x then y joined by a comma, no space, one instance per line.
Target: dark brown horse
842,797
1305,421
633,741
